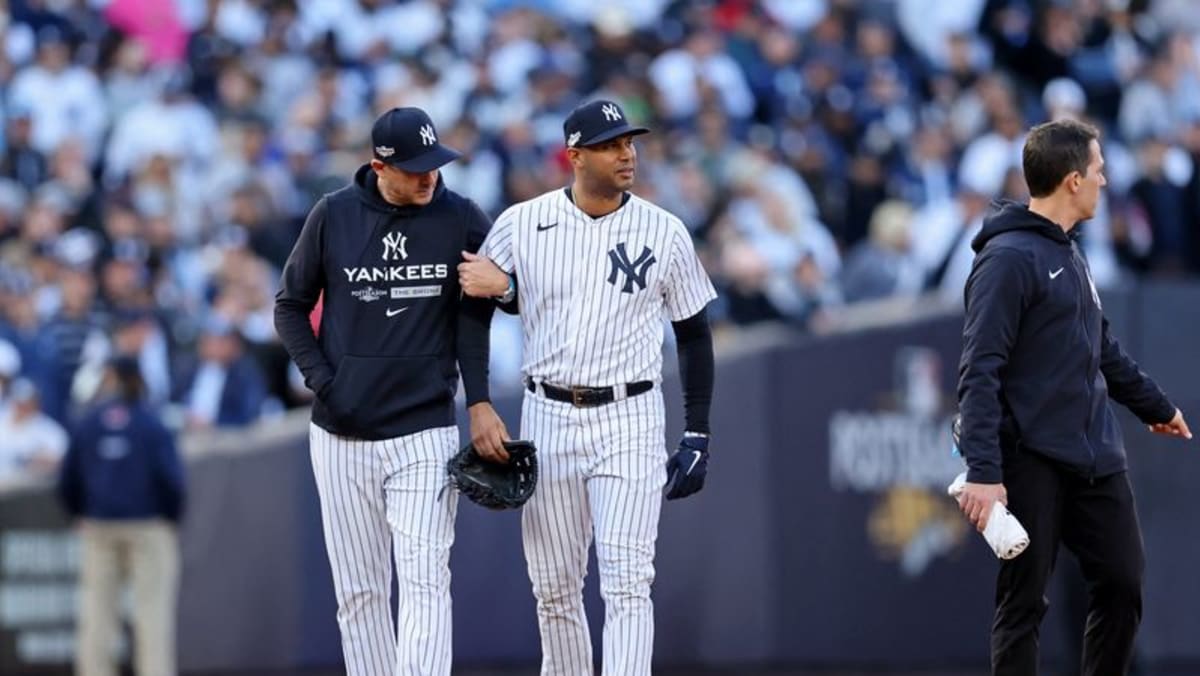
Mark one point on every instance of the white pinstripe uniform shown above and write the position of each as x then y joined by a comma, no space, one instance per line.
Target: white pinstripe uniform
593,295
380,494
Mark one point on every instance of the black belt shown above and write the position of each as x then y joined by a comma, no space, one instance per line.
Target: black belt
583,397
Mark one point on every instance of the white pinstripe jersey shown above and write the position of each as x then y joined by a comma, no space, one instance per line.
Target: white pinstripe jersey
593,292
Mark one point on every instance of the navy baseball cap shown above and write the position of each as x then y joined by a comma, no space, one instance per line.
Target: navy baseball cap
406,139
597,122
125,366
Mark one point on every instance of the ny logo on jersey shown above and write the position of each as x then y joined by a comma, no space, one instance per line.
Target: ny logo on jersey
611,114
635,271
427,136
394,244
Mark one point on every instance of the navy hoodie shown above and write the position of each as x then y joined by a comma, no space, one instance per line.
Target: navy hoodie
393,326
122,464
1039,362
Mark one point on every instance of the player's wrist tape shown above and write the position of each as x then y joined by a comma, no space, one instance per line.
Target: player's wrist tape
695,435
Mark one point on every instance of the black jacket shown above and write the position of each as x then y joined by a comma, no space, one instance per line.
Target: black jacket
392,323
1039,362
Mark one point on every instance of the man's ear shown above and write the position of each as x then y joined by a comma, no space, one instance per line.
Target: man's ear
1072,181
575,157
376,165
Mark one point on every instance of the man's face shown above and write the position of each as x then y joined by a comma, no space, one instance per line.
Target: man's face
1088,194
401,187
54,56
610,165
222,349
78,289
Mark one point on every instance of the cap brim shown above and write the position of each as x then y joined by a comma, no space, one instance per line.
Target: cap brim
435,157
613,133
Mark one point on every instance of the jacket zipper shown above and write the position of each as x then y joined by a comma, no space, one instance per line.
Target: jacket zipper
1080,277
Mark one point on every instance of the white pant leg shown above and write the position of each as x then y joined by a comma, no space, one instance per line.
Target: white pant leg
349,476
625,488
556,527
421,516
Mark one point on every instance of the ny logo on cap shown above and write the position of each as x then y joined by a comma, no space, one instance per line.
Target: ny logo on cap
394,246
611,114
427,136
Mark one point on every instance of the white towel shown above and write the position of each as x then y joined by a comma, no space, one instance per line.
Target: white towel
1004,534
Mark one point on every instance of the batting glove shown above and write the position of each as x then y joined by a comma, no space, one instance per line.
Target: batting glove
687,468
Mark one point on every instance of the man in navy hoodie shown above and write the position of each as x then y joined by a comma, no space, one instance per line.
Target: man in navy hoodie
382,253
123,479
1039,364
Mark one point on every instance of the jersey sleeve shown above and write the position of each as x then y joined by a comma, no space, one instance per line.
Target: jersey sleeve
687,286
498,245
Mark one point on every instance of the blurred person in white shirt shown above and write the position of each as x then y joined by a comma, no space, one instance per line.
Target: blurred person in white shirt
171,125
680,74
773,209
31,442
65,99
927,25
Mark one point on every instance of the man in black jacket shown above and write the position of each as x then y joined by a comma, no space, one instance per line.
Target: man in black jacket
381,254
1039,364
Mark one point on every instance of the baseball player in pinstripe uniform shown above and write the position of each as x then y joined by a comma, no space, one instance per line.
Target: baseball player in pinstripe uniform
381,252
595,271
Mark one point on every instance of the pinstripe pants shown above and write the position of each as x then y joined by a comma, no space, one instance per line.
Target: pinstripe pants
601,471
380,494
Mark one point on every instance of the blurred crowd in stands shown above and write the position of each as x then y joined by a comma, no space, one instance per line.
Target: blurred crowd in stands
158,156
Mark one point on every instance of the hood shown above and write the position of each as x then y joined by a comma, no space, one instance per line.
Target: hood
1007,215
366,184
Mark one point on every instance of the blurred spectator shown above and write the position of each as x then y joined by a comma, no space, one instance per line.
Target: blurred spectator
22,162
10,368
1064,98
700,69
1160,192
138,334
64,99
31,443
225,387
925,171
71,335
930,25
171,125
881,266
1151,107
480,172
12,206
123,479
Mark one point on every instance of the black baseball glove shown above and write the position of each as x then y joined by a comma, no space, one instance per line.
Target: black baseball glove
496,485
